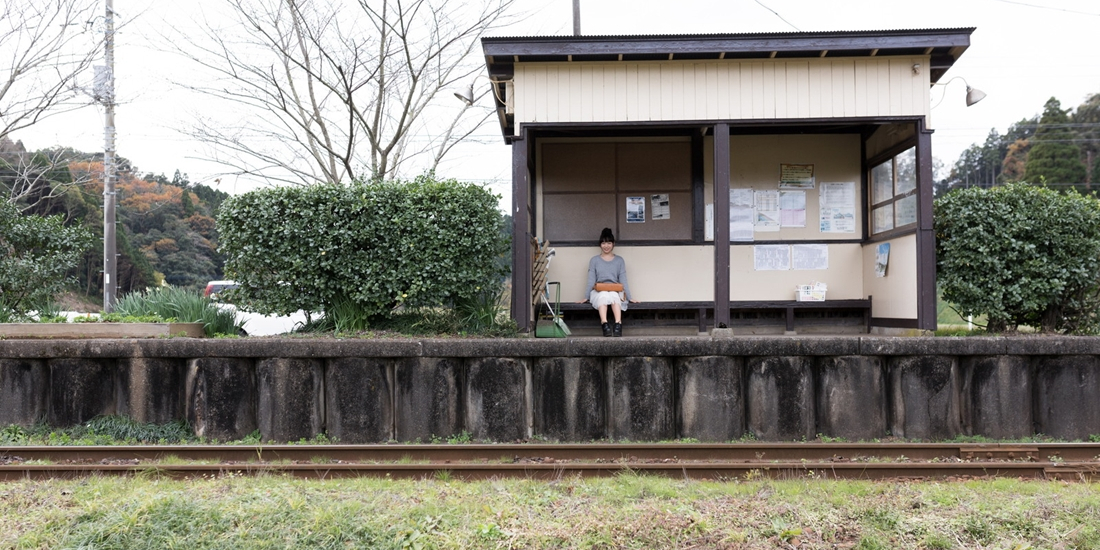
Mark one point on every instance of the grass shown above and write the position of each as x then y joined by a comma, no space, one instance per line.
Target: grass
101,430
181,305
627,511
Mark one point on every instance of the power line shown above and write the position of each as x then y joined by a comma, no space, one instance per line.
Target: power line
1048,7
779,16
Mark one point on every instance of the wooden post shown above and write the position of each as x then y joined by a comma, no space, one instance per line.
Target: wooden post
721,225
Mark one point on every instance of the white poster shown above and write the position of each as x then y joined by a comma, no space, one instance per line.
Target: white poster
741,223
661,209
838,207
767,210
810,256
741,197
635,210
792,208
771,257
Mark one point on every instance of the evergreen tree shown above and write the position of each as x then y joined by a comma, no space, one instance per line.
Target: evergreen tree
1086,120
1054,158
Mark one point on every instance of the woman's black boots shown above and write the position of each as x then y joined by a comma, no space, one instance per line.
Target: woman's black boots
607,329
618,330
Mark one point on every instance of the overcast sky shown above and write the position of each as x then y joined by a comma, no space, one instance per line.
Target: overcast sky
1023,53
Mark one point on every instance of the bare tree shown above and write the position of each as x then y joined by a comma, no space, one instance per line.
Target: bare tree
43,52
329,91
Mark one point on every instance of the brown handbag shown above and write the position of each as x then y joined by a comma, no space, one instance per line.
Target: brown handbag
609,287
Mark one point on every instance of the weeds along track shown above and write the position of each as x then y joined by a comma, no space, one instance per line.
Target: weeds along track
1064,461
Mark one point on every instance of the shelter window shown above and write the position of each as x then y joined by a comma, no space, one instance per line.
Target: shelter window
894,193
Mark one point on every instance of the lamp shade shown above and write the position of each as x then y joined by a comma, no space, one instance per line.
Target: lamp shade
973,95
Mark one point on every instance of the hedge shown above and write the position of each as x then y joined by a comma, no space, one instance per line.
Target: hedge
377,246
1021,255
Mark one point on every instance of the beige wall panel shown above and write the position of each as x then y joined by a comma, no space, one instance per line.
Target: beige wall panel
740,103
820,95
844,276
755,160
895,295
588,109
779,91
618,81
798,90
656,273
685,90
713,92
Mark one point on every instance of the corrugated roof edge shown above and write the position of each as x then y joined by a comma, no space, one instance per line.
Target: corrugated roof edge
711,36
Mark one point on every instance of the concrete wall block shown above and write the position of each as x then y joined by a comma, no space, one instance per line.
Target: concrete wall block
80,389
428,398
779,398
851,397
496,398
220,397
1066,404
711,398
997,392
641,391
291,398
150,389
24,391
569,398
359,399
925,392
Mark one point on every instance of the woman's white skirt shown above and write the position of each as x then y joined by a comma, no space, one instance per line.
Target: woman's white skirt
607,298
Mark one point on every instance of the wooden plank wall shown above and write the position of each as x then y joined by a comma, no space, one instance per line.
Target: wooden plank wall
713,90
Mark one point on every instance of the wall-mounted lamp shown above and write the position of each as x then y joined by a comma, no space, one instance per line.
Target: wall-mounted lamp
973,95
466,95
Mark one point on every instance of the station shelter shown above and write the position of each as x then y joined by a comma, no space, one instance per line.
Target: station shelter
751,180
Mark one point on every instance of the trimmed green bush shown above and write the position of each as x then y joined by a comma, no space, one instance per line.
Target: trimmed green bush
35,255
1021,255
361,249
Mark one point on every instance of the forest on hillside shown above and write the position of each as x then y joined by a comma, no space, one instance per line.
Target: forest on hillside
166,229
1059,148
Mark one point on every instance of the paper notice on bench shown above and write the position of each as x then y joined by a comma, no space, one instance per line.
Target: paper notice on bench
810,256
771,257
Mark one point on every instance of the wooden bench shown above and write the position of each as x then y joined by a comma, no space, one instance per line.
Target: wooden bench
703,308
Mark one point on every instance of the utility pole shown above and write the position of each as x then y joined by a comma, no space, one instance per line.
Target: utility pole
576,17
110,256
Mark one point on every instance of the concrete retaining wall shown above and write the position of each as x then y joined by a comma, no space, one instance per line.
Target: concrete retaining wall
638,389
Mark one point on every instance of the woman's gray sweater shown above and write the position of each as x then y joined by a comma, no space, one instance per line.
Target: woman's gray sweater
601,271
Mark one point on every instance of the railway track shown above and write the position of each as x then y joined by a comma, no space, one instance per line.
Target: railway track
1066,461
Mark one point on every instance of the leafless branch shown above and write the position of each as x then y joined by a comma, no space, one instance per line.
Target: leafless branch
331,91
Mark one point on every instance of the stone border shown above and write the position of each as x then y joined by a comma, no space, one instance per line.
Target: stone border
537,347
99,330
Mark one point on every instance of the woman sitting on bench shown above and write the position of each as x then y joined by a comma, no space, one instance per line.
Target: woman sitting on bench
607,286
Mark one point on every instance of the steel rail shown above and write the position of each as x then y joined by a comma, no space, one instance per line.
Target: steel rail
1087,471
1071,461
569,451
